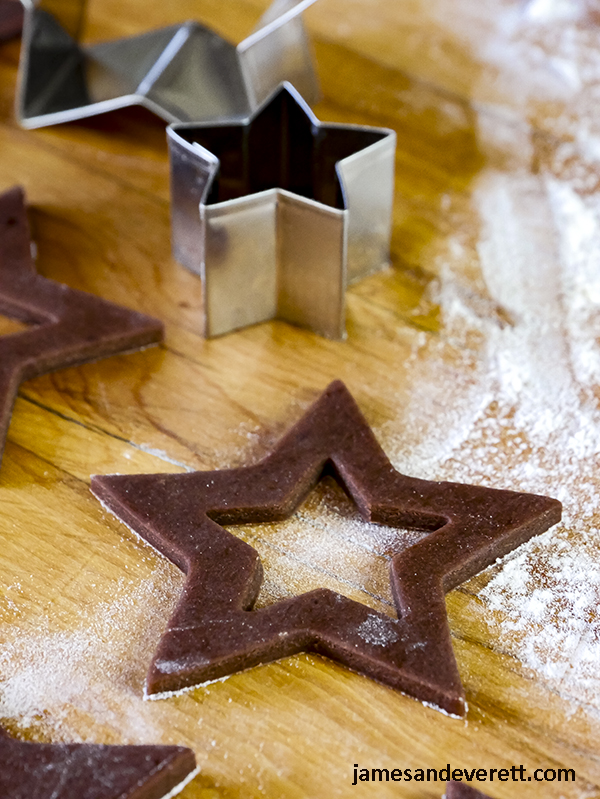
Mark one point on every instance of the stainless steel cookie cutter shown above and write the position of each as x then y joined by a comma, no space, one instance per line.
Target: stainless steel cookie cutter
277,212
181,73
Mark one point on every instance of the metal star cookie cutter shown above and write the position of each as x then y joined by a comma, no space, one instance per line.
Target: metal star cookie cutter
277,212
181,73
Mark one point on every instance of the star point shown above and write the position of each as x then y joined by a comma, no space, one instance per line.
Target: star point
92,771
215,632
70,328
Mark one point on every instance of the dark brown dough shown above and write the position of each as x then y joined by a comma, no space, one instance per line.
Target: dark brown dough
72,327
90,771
458,790
11,18
214,631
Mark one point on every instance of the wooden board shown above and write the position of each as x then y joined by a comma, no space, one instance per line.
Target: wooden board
474,356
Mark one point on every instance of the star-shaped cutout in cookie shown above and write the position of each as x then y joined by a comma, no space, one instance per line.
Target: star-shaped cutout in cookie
278,212
70,326
92,771
214,631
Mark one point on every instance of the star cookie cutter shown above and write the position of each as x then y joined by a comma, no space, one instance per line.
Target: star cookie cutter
11,19
181,72
278,211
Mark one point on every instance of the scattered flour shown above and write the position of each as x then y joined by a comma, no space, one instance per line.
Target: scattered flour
537,59
326,544
95,671
554,591
377,631
517,406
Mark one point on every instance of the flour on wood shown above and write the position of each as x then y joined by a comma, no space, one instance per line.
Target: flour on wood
516,405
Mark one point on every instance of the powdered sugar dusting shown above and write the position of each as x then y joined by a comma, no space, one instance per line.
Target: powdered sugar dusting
515,405
538,59
95,670
556,588
377,631
327,544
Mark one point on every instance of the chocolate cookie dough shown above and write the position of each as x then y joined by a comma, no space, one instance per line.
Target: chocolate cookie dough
91,771
458,790
214,631
70,327
11,19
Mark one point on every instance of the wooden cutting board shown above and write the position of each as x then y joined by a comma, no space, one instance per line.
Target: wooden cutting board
474,357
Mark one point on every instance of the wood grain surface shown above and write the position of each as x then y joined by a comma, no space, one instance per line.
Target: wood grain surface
477,90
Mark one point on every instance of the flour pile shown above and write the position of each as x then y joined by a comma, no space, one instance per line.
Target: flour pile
514,404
